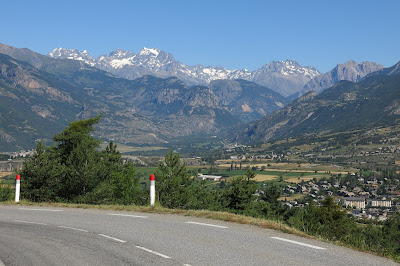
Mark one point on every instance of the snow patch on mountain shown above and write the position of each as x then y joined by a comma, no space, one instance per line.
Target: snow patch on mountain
285,77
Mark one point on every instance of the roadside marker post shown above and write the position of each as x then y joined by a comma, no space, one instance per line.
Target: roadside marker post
17,188
152,189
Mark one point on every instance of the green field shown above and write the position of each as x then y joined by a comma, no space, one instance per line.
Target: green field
122,148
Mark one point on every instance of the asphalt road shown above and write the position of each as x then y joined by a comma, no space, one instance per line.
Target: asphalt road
65,236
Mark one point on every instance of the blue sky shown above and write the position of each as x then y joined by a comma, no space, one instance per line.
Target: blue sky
233,34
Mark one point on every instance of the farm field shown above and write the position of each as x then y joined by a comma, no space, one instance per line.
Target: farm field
292,167
125,148
294,197
3,174
261,178
304,178
7,181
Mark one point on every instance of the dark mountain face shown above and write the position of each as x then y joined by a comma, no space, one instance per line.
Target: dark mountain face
31,106
374,101
247,100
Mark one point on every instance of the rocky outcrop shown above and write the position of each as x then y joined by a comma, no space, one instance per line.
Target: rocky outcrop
284,77
351,71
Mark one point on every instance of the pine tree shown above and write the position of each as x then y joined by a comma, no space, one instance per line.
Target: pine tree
173,182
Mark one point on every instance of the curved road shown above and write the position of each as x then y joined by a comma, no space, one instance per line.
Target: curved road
65,236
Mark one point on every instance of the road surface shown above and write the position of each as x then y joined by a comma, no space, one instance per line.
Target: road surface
66,236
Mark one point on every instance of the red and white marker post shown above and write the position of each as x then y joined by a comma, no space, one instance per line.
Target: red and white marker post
17,187
152,189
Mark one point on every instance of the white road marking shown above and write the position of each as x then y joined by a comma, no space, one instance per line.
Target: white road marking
46,210
154,252
127,215
72,228
298,243
214,225
27,222
113,238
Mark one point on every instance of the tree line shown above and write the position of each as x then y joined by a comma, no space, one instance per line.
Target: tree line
74,169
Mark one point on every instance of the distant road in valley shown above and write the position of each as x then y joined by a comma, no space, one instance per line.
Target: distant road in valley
65,236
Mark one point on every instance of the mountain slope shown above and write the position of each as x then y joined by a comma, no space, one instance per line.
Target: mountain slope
35,104
31,106
351,71
374,101
284,77
247,100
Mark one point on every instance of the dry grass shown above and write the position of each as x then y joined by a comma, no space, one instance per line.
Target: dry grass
290,167
294,197
303,178
3,174
305,167
265,177
239,160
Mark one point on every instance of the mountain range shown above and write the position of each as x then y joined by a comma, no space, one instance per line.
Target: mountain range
288,78
351,71
285,77
372,102
40,94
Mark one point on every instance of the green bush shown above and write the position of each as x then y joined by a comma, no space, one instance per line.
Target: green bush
6,192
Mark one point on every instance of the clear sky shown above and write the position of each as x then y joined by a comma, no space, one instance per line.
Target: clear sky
233,34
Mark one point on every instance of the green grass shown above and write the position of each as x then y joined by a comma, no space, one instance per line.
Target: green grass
122,148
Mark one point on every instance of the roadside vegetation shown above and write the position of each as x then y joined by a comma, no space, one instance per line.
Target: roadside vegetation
75,171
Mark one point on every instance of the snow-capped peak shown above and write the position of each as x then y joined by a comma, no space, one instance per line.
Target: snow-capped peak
152,61
119,53
148,51
73,54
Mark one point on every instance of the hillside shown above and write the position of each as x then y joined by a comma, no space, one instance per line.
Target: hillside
351,71
374,101
247,100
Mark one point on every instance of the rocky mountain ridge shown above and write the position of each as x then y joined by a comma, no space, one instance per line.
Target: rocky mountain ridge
35,104
247,100
284,77
350,70
44,94
371,102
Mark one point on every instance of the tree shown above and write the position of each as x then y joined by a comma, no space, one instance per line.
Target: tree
75,170
41,176
271,195
77,151
240,193
334,222
173,182
201,198
391,233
